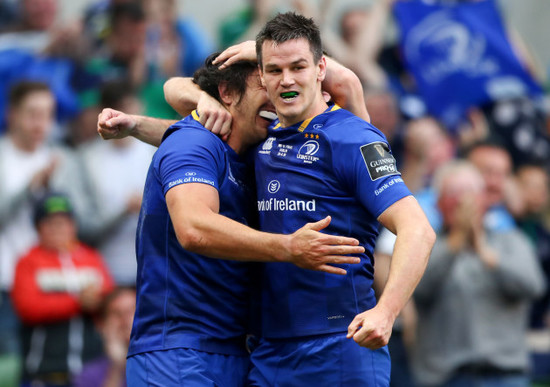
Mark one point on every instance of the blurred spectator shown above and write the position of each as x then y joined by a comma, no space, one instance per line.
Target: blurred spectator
28,165
58,284
175,45
245,23
125,57
384,113
427,146
114,324
501,192
534,185
360,40
114,175
36,31
36,47
473,301
124,54
96,24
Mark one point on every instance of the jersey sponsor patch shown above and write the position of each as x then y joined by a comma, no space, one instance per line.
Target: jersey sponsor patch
378,159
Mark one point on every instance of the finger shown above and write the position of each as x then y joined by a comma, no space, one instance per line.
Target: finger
353,327
363,334
217,126
226,127
319,225
121,120
340,240
225,54
340,260
332,269
371,342
208,123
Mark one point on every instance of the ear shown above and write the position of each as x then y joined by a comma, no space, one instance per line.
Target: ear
262,81
322,67
226,96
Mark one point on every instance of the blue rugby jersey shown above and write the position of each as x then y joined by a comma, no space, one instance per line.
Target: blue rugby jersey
333,164
185,299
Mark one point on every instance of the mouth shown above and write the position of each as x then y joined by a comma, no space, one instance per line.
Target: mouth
267,112
289,96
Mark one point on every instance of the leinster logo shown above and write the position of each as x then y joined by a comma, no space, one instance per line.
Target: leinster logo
267,145
273,186
378,159
307,152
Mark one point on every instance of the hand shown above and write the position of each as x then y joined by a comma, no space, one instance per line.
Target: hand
313,250
41,179
372,328
115,346
113,124
214,116
133,205
242,51
90,297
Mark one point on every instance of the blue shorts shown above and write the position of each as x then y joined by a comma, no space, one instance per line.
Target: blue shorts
330,360
186,367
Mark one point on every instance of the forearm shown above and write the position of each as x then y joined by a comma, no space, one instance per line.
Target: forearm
413,245
10,204
182,94
217,236
150,130
409,260
345,89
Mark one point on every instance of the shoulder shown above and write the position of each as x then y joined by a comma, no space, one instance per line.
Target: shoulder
189,133
34,255
88,253
344,126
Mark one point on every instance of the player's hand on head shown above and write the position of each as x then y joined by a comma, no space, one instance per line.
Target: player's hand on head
313,250
214,116
371,329
113,124
242,51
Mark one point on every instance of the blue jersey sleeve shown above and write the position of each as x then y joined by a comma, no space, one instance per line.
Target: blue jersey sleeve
190,155
363,160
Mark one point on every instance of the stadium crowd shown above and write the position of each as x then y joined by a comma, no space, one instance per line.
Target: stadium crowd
457,95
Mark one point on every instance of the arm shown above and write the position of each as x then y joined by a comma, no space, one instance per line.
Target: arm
199,228
115,124
517,278
345,89
415,238
184,96
35,306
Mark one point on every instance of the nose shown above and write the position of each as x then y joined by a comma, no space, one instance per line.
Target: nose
287,78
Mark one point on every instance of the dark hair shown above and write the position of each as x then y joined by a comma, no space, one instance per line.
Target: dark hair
290,26
132,11
493,142
114,92
110,297
50,203
20,90
235,76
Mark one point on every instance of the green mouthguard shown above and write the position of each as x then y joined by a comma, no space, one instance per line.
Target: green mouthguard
289,94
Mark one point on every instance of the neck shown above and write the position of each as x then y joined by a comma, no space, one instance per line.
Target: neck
21,144
318,107
237,142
